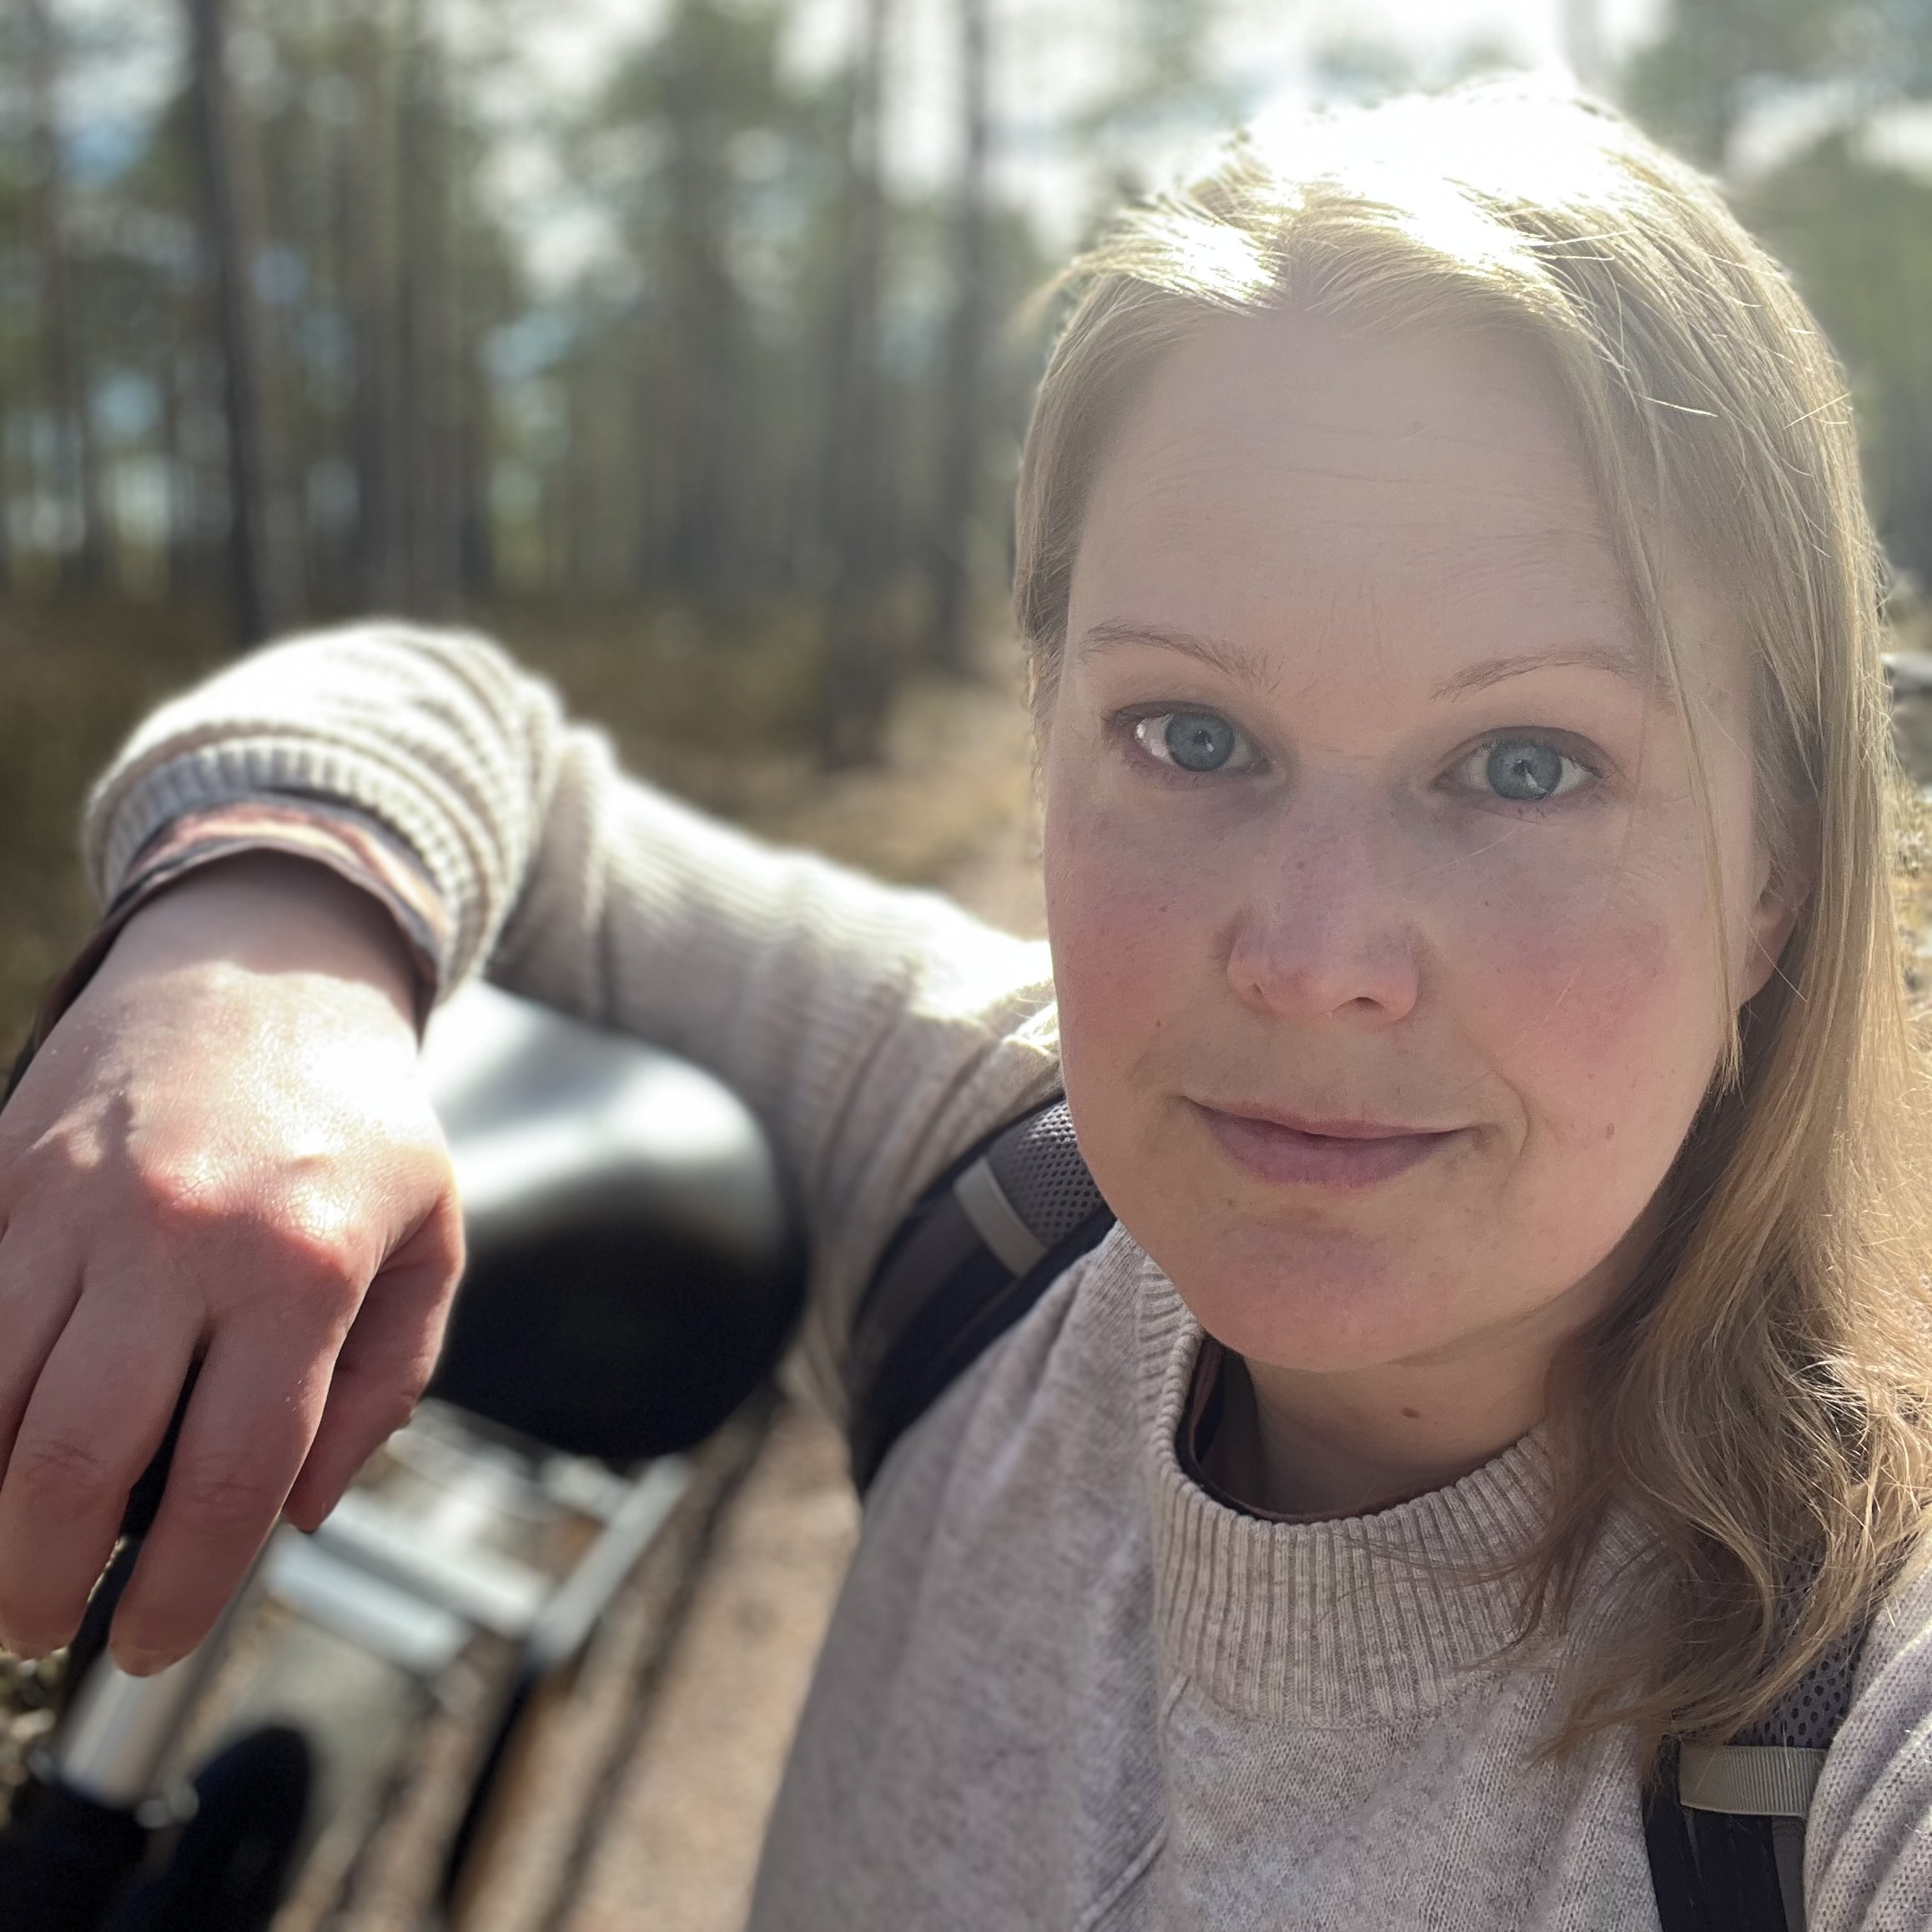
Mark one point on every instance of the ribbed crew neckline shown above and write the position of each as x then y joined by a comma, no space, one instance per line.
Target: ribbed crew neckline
1392,1614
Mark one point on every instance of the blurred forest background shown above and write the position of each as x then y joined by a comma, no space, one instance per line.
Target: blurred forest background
701,379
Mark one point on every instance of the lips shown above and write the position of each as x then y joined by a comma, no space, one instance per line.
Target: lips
1344,1156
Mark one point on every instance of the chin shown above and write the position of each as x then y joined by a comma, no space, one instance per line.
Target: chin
1326,1302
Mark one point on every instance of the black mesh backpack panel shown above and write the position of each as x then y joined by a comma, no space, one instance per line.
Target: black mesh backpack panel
984,1243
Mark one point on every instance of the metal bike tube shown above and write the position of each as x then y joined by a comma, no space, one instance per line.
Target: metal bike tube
114,1743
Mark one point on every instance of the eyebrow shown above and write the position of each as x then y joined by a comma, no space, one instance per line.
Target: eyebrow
1231,660
1633,667
1245,665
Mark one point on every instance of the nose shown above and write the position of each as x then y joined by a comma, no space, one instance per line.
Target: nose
1325,932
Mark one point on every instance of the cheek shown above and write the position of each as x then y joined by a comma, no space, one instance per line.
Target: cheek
1132,925
1595,1003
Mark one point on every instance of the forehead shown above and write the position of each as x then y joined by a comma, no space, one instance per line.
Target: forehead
1418,485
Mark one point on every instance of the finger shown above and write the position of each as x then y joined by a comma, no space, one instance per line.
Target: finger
97,1413
254,1413
39,1286
386,1362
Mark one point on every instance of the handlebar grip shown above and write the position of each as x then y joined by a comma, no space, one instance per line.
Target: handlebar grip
18,1072
145,1498
90,1641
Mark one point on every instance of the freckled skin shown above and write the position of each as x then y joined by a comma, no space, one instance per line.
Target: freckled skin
1348,925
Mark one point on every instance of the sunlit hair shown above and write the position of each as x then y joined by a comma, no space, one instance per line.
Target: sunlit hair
1759,1403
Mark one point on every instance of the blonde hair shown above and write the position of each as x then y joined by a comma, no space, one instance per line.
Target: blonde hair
1759,1403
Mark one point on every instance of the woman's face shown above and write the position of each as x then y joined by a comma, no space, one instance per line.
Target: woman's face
1387,966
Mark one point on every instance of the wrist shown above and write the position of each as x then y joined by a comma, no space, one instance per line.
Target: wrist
268,911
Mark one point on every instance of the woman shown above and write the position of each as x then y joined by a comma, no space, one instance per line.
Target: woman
1454,635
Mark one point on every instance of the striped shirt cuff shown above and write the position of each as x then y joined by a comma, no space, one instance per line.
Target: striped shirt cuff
351,843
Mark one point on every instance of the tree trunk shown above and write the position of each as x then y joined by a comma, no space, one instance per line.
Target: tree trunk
64,359
650,397
1582,28
252,143
370,248
431,357
5,504
855,681
257,611
962,440
180,515
701,554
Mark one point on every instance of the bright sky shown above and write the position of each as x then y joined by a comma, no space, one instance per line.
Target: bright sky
1051,56
1055,54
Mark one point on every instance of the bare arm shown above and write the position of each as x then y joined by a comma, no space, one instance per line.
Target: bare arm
223,1152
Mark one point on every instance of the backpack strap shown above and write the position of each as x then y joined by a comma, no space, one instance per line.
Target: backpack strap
1724,1824
986,1240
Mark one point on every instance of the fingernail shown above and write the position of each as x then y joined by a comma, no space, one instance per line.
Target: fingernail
142,1662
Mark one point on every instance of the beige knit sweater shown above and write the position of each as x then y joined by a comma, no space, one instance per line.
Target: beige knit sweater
1063,1687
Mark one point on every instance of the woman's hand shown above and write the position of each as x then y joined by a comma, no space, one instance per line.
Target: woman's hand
224,1152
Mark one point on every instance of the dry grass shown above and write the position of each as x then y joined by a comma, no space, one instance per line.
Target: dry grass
72,682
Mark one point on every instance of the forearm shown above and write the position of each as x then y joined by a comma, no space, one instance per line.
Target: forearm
267,912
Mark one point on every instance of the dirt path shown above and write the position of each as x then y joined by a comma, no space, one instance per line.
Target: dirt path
680,1842
953,804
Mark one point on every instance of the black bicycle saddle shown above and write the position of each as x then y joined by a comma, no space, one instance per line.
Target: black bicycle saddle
633,1272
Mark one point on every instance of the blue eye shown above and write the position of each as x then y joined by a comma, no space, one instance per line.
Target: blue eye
1524,771
1194,741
